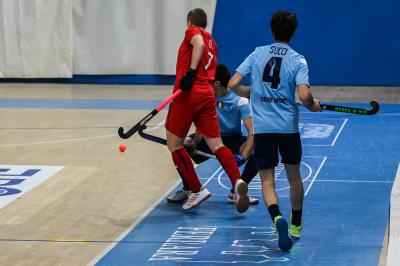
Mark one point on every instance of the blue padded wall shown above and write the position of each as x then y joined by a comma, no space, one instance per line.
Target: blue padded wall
346,42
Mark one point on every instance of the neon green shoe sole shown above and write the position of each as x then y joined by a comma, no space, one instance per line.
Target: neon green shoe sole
295,231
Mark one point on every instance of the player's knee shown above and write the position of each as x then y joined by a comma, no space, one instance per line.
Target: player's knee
173,146
214,144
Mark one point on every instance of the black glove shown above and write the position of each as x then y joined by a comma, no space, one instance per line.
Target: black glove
187,80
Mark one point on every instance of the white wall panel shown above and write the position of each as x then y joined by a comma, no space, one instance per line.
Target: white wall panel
36,38
131,36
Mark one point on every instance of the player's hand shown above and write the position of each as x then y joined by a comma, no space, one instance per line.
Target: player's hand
240,160
315,106
189,143
187,80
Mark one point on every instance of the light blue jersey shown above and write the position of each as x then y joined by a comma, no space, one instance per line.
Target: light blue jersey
275,71
231,110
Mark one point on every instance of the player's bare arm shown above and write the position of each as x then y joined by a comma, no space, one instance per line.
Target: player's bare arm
187,81
198,49
307,98
247,148
235,85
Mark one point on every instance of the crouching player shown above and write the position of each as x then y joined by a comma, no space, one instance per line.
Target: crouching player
231,110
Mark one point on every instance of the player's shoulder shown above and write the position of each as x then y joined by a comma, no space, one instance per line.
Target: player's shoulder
192,31
294,54
296,58
235,99
261,49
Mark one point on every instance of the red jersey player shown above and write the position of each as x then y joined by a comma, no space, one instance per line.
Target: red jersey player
195,72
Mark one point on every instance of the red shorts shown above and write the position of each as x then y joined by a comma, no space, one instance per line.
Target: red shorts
197,106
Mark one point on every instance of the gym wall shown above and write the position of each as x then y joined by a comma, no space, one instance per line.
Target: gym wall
134,41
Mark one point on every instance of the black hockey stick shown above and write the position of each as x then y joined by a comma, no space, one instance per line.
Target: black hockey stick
142,123
351,110
164,142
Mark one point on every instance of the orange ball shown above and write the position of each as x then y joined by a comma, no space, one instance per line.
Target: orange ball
122,148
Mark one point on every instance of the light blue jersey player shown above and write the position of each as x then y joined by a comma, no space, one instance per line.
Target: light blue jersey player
231,110
275,71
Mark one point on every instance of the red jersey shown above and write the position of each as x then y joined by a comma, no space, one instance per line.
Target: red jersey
205,72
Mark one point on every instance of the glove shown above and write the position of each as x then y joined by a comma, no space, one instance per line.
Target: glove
240,160
187,80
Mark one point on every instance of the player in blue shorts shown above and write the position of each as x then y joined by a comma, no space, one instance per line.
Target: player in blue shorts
231,110
276,70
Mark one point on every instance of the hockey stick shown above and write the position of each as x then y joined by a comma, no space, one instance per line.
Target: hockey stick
147,118
164,142
350,110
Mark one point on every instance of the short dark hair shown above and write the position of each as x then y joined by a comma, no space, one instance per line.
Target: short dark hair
283,25
197,17
222,75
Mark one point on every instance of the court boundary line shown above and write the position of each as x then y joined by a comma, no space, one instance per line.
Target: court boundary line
340,131
130,228
334,140
315,176
393,256
56,141
158,126
329,180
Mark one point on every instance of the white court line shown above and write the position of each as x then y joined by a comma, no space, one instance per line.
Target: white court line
159,125
353,181
393,255
315,176
56,141
344,181
336,137
340,131
127,231
138,220
212,176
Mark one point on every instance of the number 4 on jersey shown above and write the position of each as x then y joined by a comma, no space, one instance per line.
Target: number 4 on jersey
274,62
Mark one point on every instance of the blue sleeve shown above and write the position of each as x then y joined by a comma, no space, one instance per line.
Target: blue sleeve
302,72
244,108
245,67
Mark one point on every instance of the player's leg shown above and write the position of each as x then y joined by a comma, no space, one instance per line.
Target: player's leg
250,170
178,122
290,150
182,161
185,167
266,155
207,124
296,199
182,194
228,162
268,190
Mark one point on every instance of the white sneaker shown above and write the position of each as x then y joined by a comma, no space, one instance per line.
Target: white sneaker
242,200
196,198
232,199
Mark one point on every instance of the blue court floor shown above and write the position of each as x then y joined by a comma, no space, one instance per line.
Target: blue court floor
349,163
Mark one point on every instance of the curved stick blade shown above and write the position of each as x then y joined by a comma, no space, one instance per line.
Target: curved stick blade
375,107
122,134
